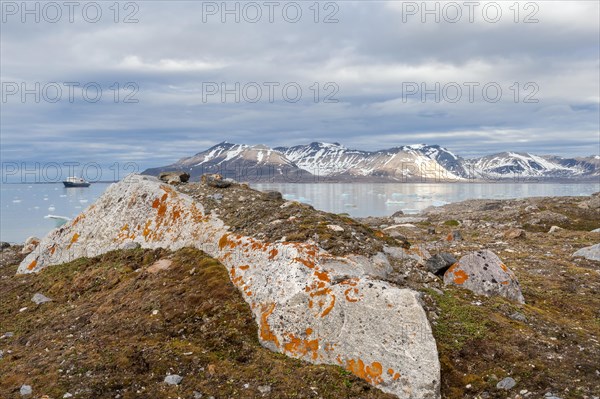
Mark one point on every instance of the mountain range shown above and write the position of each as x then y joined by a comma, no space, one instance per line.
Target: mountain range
333,162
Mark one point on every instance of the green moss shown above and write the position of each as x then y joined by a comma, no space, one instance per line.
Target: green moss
451,223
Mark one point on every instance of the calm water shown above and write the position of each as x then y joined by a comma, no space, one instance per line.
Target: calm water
24,207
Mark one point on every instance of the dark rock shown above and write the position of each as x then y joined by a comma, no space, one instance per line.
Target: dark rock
4,245
215,180
273,196
397,213
174,177
431,230
439,263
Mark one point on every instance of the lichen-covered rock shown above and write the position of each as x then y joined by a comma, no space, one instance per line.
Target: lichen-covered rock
307,303
591,252
484,273
439,263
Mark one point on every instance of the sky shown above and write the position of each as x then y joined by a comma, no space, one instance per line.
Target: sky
168,79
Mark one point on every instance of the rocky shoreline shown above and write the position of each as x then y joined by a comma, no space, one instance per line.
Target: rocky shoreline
504,289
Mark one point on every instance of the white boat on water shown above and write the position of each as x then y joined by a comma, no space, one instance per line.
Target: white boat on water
76,182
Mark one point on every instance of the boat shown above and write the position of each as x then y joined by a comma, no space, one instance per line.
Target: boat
76,182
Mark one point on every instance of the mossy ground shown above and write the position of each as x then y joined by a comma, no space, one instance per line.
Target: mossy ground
99,337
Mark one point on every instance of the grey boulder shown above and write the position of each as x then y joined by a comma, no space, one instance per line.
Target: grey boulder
485,274
39,299
590,253
173,379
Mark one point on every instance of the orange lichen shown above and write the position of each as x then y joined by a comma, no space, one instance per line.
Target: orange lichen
273,253
503,266
265,329
460,277
323,275
309,331
371,373
245,267
302,347
32,265
155,203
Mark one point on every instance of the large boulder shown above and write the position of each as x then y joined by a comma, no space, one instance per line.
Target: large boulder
591,252
308,303
484,273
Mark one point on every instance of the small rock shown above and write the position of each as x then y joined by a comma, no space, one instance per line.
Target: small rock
455,235
431,230
439,263
335,227
264,389
215,180
197,395
397,214
30,245
273,196
1,353
26,390
518,317
174,177
550,395
67,395
4,245
507,384
173,379
409,219
39,299
554,229
595,231
217,196
160,265
7,335
514,233
590,253
130,245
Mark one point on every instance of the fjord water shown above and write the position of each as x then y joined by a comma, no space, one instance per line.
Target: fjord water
24,206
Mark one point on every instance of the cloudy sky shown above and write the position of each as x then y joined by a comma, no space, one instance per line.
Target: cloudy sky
371,74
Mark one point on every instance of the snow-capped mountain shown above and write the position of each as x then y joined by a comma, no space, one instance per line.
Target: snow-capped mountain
237,161
334,162
524,165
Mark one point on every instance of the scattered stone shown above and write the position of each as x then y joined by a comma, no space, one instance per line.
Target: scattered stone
160,265
173,379
273,196
439,263
590,253
409,219
518,317
595,231
7,335
514,233
26,390
68,395
1,353
4,245
39,299
197,395
216,180
335,227
550,395
507,384
484,273
554,229
431,230
264,389
455,235
397,214
174,177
